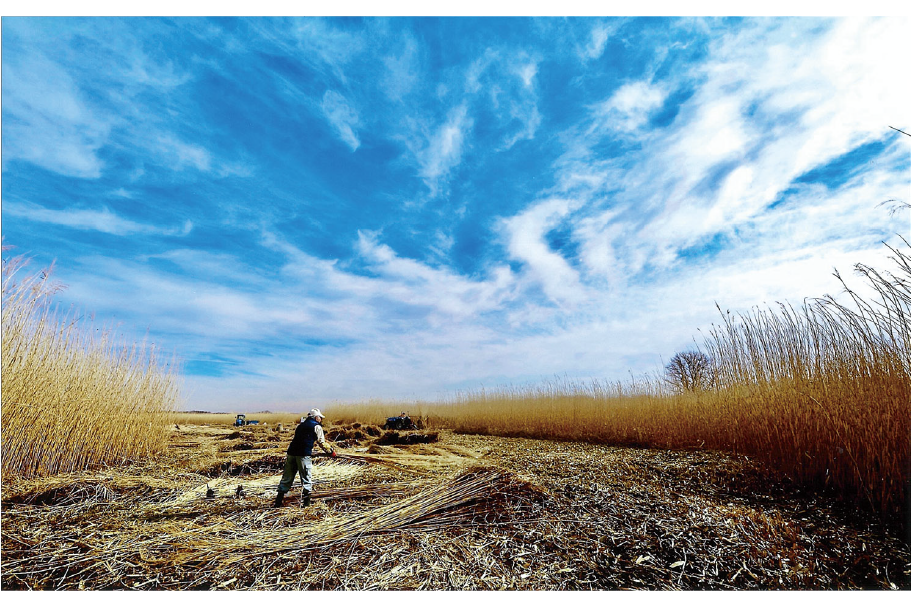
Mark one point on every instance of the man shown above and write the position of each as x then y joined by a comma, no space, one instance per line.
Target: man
299,458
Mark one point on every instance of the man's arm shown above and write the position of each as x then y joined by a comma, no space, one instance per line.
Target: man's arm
321,440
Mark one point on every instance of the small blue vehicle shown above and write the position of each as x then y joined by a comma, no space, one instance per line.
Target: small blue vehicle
401,422
242,421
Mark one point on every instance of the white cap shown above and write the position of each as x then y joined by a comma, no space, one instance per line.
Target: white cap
315,413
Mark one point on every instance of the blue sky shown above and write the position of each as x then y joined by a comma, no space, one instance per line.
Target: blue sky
315,210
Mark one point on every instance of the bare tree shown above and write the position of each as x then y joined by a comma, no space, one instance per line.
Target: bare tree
689,371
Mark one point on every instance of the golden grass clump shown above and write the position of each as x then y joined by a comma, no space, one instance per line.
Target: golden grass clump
73,397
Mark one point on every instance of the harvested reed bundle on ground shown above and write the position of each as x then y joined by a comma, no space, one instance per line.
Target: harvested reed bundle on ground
375,460
477,496
366,491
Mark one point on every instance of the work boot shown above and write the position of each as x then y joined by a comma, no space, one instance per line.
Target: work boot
279,500
305,499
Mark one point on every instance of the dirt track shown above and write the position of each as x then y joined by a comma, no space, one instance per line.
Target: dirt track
593,517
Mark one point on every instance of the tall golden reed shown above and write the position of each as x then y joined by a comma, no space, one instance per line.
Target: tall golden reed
820,393
72,397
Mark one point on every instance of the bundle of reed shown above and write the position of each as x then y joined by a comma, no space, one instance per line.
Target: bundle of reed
370,491
478,496
365,459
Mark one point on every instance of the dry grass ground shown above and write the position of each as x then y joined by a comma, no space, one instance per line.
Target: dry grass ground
465,512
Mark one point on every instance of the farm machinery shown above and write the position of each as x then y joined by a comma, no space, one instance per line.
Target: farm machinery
401,422
243,421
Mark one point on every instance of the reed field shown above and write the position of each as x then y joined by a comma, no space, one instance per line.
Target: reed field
820,394
74,396
200,418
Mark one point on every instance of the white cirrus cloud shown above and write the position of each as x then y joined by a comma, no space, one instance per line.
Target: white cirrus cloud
342,117
362,304
523,103
761,128
179,154
525,236
771,102
415,283
320,42
401,74
629,107
103,220
444,150
527,73
599,36
47,120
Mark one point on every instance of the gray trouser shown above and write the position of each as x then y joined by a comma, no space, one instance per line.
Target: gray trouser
302,464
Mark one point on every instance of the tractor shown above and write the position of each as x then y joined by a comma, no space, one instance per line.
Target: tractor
243,421
401,422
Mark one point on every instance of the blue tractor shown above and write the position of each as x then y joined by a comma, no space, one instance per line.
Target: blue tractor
401,422
242,421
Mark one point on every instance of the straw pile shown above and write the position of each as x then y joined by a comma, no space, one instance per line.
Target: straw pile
479,496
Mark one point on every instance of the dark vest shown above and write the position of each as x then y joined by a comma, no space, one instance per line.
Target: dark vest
304,437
